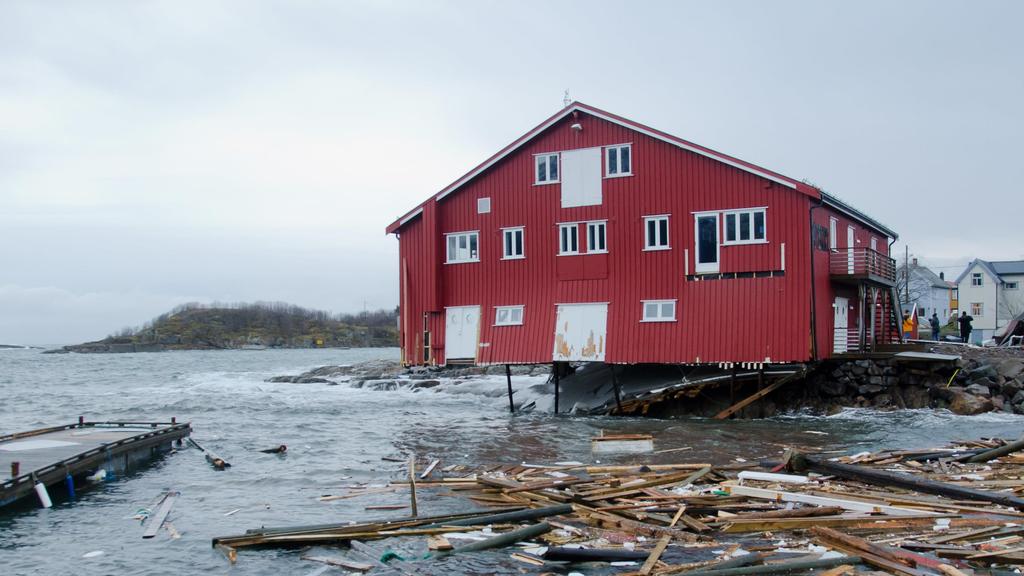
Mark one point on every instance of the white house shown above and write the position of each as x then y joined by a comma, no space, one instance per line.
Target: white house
931,292
991,293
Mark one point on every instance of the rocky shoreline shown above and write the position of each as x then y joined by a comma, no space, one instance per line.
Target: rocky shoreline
982,380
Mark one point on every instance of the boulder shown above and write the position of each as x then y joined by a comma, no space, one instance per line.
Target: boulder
1009,368
969,404
1018,399
982,372
1010,388
979,390
870,389
830,387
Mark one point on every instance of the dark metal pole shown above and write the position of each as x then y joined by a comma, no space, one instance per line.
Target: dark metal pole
554,368
615,385
508,378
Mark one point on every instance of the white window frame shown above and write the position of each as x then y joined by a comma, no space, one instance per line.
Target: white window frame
507,248
468,234
594,225
833,231
648,247
575,235
614,150
1011,285
735,215
981,307
659,317
977,279
483,205
510,318
545,158
874,244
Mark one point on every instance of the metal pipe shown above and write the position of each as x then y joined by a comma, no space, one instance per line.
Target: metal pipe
508,378
500,541
554,368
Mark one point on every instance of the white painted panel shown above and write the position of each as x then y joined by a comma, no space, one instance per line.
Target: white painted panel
581,177
841,308
462,325
580,332
849,249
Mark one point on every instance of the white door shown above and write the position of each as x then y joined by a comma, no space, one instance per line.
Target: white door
460,333
581,177
580,331
842,311
706,241
849,250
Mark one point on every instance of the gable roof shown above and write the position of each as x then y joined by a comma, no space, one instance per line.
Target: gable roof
651,132
926,275
995,269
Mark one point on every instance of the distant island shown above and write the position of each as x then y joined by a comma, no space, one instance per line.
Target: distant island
248,327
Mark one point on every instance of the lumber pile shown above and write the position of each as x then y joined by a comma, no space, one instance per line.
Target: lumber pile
951,511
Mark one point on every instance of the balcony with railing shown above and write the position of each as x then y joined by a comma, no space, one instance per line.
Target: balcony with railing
855,265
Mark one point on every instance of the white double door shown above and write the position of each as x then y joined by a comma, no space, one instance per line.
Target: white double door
462,329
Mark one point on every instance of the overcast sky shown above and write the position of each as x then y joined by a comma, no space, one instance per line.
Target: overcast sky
155,153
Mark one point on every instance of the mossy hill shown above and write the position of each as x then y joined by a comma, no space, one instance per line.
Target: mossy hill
249,326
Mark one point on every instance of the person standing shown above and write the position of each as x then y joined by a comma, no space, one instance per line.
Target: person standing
934,323
908,326
965,326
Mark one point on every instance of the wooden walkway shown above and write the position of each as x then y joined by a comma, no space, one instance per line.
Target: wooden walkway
51,454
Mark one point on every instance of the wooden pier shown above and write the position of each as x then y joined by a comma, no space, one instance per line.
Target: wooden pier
51,455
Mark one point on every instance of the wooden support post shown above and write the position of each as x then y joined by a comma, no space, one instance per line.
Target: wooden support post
732,387
615,385
760,388
412,484
15,469
81,420
554,367
508,378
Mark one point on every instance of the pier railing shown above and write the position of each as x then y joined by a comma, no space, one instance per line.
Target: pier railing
862,264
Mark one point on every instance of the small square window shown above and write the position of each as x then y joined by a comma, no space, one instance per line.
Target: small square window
545,168
512,243
568,239
656,233
483,205
1011,286
508,315
463,247
977,279
659,311
618,161
977,308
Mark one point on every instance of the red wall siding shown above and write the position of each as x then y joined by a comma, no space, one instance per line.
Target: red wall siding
724,320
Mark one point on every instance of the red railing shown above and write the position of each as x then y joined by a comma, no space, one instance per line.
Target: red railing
862,263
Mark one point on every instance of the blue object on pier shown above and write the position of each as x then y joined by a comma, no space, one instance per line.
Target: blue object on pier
71,486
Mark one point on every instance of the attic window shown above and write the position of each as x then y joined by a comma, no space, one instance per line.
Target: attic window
618,161
546,168
976,279
483,205
463,247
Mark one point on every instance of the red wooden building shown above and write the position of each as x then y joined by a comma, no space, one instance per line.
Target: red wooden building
595,238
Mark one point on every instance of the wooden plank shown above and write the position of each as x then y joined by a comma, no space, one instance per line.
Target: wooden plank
340,562
857,506
757,395
430,468
656,553
157,520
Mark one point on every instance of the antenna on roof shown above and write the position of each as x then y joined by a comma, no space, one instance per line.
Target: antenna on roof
565,99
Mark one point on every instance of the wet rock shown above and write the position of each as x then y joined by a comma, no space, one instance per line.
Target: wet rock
967,404
1009,368
425,384
1018,399
830,387
979,390
916,397
871,388
981,373
883,401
